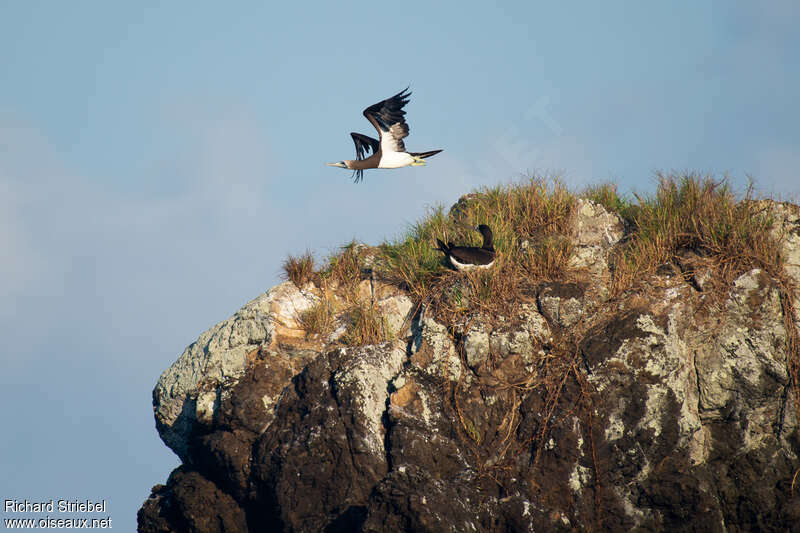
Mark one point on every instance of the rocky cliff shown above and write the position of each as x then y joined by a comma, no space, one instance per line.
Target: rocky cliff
669,405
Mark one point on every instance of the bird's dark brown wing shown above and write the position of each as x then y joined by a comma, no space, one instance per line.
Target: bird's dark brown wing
388,118
364,145
472,256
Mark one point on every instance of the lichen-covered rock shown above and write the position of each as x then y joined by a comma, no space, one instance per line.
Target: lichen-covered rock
189,391
594,232
668,408
786,229
685,403
476,344
561,303
746,366
326,449
396,311
432,349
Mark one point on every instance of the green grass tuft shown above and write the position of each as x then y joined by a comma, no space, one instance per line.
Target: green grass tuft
607,196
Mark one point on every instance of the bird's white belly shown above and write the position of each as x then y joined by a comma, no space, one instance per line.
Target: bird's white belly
395,160
464,266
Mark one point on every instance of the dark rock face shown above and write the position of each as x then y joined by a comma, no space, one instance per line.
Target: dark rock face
664,410
190,503
325,452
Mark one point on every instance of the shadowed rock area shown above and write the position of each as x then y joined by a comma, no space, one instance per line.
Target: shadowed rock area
668,407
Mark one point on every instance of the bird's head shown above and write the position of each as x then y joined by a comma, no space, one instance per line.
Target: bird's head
488,238
484,229
340,164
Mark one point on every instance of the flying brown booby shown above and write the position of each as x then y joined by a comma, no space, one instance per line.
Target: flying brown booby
469,257
388,152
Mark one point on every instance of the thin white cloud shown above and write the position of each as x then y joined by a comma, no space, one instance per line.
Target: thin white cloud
27,172
19,262
87,249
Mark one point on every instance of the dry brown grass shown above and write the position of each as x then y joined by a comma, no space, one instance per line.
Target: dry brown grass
345,269
299,269
701,215
492,291
533,213
548,258
366,326
319,319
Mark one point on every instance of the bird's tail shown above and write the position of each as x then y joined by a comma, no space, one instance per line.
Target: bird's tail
443,247
423,155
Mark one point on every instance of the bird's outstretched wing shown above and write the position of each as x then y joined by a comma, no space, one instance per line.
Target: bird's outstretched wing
364,145
388,118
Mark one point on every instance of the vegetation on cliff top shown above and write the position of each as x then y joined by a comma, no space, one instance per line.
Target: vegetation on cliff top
530,222
688,214
724,232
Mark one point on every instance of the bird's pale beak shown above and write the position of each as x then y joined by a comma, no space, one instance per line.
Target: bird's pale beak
339,164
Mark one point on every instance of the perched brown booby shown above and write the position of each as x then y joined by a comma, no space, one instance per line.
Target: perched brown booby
468,257
389,152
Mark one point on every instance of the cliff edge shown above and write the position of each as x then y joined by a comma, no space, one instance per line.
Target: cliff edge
563,390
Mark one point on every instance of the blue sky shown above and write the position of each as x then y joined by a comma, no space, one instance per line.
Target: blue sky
159,160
